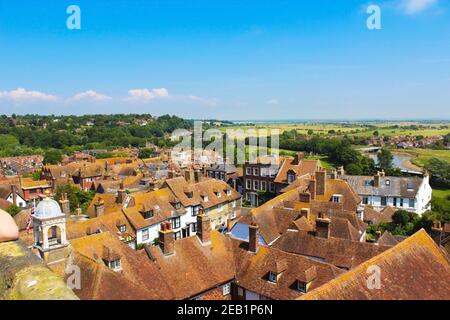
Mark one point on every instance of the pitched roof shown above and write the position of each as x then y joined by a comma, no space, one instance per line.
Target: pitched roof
414,269
138,279
405,187
205,187
387,239
304,167
253,270
342,253
107,223
195,268
375,217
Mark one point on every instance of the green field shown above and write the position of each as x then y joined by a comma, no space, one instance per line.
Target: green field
442,194
421,156
360,129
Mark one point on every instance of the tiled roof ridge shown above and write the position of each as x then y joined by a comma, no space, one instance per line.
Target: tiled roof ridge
421,235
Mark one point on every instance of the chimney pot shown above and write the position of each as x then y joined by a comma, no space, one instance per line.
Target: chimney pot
204,228
166,239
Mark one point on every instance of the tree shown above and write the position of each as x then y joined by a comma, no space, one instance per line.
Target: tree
77,198
13,210
385,159
146,153
439,171
52,156
376,133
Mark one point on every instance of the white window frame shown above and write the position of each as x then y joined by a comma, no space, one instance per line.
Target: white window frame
248,171
272,277
248,184
256,172
226,289
264,186
302,287
145,234
256,185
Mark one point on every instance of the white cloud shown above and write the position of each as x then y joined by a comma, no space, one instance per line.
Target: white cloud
89,95
416,6
23,95
272,101
144,95
205,101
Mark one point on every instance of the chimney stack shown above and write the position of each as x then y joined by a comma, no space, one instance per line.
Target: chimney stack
121,194
99,207
204,228
437,232
189,176
298,158
65,205
14,194
313,188
376,180
166,239
321,177
323,227
253,239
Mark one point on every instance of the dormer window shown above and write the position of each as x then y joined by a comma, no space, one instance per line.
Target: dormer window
115,265
204,197
291,176
217,193
273,277
228,192
122,228
177,205
302,286
337,198
147,214
112,259
388,182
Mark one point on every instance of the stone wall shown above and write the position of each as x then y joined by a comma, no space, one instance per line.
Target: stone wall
23,276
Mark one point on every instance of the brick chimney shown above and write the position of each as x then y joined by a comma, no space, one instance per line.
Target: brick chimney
14,194
376,180
298,158
437,232
313,188
253,238
65,205
189,176
121,194
166,239
323,227
321,177
99,207
204,228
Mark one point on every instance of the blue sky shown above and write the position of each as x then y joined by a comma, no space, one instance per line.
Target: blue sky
227,59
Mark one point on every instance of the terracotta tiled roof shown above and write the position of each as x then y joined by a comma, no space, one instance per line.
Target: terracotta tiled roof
106,223
414,269
342,253
305,167
139,279
387,239
194,267
253,270
156,201
28,183
205,187
374,217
